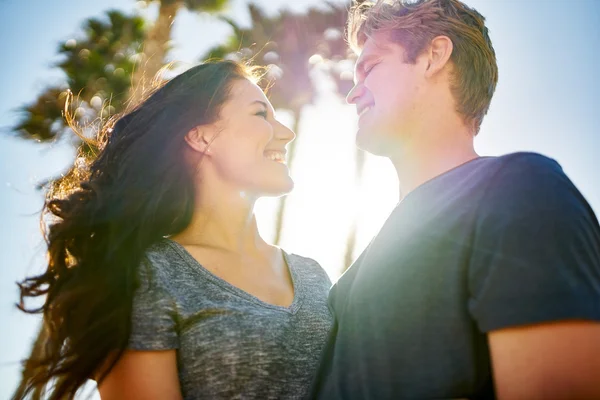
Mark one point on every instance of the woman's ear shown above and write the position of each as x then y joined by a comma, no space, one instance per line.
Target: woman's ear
199,139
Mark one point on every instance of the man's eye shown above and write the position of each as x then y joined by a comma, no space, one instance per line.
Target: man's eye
369,68
262,114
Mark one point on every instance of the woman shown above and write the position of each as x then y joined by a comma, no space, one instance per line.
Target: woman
159,285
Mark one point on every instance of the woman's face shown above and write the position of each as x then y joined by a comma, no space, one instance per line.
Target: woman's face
248,150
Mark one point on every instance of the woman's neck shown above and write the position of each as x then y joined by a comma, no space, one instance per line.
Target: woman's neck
224,222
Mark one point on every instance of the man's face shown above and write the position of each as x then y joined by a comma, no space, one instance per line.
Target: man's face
386,94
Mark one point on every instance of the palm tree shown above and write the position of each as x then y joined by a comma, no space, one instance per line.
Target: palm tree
342,74
351,238
156,44
96,68
99,69
290,43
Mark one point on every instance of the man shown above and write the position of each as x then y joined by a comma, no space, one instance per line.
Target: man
485,280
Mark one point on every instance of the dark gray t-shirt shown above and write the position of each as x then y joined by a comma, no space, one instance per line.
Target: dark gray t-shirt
495,243
230,344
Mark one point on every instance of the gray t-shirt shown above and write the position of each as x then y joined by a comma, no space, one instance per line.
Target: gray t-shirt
230,344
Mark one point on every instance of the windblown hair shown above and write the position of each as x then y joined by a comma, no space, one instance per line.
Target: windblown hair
103,217
413,24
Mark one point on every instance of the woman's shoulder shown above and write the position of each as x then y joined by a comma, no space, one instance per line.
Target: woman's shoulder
160,252
308,266
161,262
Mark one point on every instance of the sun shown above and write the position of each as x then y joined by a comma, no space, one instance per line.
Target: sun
329,198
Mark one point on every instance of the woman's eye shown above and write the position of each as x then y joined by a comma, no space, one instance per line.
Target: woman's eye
262,114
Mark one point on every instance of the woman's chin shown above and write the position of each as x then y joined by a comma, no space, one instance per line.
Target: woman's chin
279,188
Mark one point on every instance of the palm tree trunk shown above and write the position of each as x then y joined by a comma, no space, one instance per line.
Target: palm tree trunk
290,161
351,240
350,244
155,49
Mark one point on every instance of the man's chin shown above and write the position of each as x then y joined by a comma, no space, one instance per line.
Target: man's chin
370,142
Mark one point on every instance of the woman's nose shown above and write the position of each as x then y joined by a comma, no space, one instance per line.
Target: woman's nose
284,133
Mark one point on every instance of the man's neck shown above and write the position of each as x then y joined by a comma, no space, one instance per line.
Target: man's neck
415,166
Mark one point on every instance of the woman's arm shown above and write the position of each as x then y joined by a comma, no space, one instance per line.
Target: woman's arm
143,375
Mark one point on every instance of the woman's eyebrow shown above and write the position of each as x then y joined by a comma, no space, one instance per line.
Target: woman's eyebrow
260,102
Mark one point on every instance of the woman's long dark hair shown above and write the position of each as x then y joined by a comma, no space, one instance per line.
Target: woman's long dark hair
104,216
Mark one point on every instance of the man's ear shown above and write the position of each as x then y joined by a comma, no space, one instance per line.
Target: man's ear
199,139
438,55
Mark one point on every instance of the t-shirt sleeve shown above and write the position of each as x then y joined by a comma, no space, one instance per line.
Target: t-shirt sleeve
154,316
536,249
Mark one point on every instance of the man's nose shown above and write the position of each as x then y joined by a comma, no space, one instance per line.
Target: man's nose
355,93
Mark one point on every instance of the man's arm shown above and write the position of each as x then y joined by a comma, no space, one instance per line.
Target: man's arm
547,361
535,283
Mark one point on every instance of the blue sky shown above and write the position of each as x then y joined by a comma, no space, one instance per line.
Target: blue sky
547,101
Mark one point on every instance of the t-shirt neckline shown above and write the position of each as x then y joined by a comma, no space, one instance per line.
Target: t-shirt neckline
222,283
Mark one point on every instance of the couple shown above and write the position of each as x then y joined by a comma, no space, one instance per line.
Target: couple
483,283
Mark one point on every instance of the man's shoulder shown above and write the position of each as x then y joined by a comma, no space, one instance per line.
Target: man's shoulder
528,161
529,188
520,162
532,169
481,178
525,176
534,245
